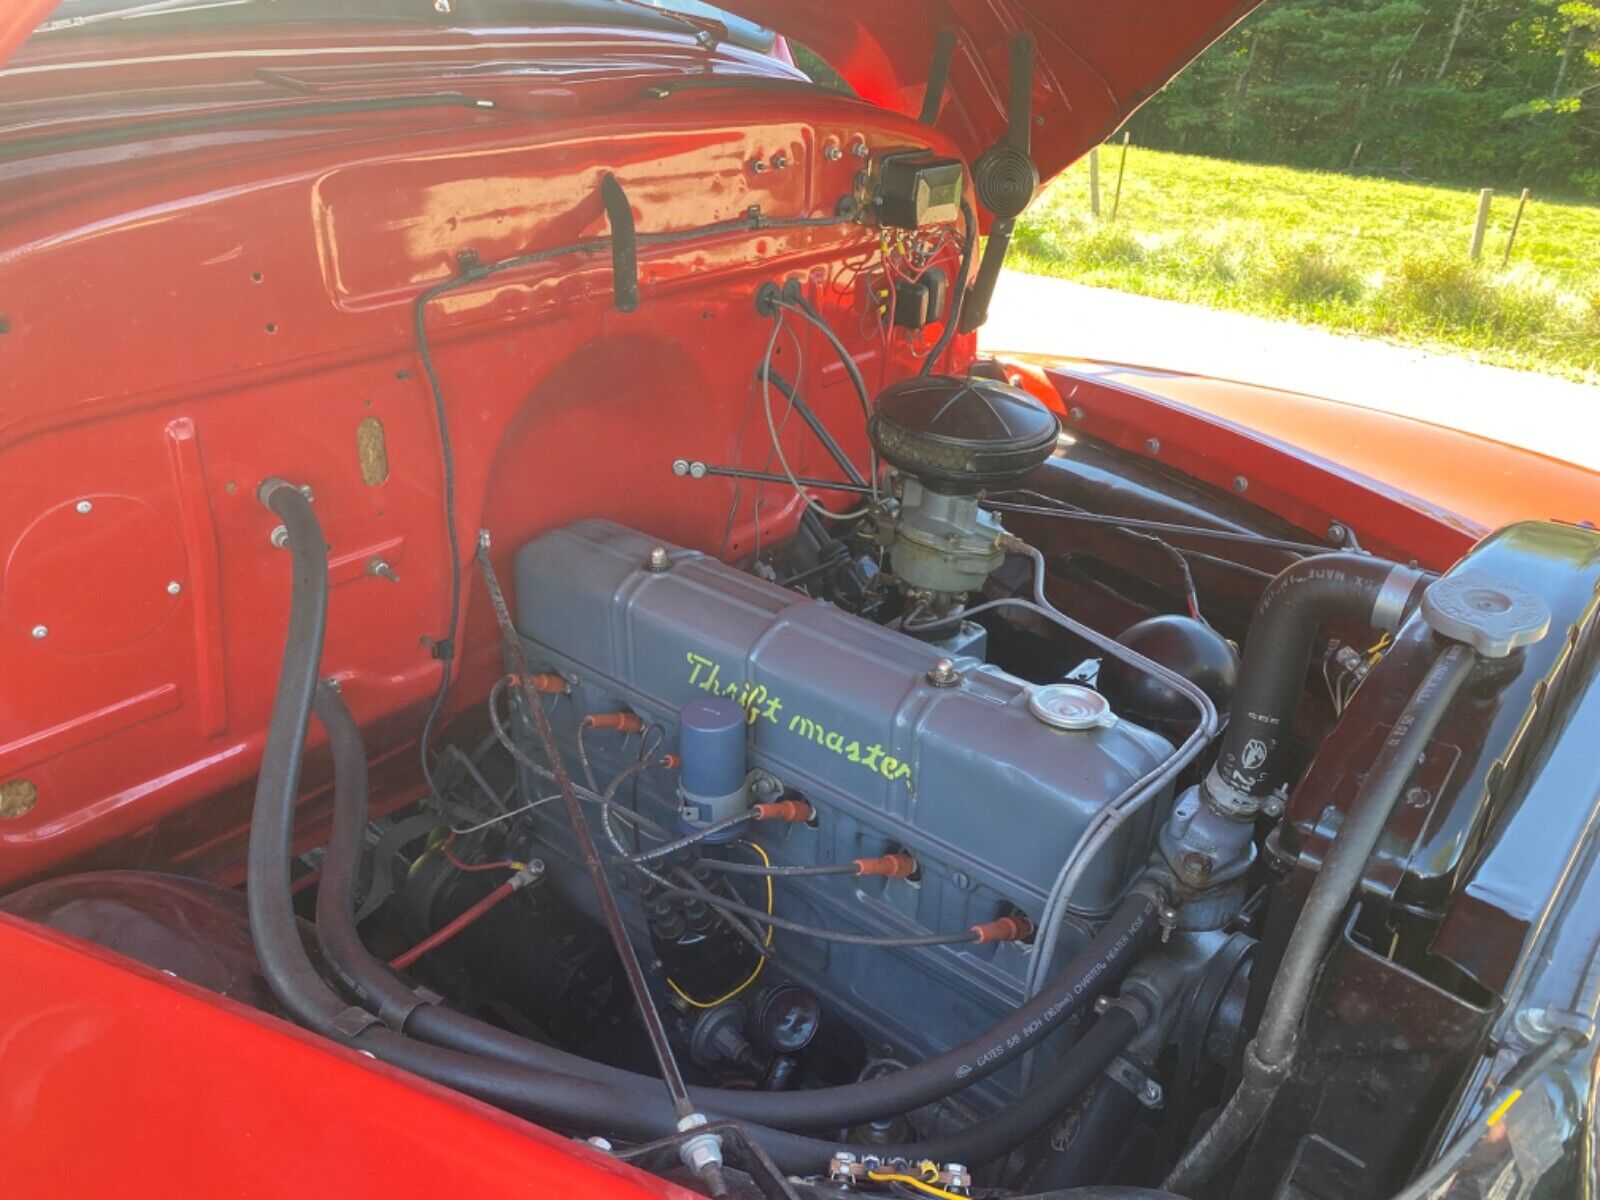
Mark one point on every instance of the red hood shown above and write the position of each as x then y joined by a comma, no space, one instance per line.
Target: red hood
1095,63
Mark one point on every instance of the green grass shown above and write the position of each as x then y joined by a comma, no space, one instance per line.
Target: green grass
1355,255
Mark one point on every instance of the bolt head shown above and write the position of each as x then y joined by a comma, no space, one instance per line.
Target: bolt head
944,673
1337,533
757,166
658,560
40,632
280,537
84,506
680,466
832,153
780,161
1240,483
860,150
174,588
1153,445
1075,412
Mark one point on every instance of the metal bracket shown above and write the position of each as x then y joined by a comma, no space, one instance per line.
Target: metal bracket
1145,1090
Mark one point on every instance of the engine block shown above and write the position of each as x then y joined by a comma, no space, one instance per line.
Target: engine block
987,797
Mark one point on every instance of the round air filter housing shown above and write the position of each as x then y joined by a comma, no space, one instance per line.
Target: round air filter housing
961,436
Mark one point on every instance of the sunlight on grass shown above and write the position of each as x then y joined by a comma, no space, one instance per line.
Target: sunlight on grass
1363,256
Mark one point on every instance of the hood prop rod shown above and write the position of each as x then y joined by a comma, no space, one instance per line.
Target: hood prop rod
702,1152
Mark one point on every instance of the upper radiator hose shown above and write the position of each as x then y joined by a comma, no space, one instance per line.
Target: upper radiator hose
1277,655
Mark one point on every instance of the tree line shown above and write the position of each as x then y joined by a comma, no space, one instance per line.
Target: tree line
1502,93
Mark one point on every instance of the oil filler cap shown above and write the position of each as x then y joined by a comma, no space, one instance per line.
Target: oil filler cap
1071,706
1492,615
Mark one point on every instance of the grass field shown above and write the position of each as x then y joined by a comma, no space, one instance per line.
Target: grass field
1363,256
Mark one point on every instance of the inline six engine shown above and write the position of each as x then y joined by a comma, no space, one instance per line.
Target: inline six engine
896,750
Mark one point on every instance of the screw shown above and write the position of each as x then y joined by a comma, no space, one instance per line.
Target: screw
831,152
1150,1092
1418,797
961,880
860,150
1337,533
600,1143
680,466
174,588
280,536
780,161
944,674
697,470
1153,445
1075,412
85,507
1272,806
757,166
1240,483
379,569
40,632
658,560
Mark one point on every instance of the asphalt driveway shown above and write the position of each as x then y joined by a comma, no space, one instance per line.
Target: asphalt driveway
1552,416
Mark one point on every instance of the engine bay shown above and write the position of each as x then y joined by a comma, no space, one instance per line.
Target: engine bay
631,661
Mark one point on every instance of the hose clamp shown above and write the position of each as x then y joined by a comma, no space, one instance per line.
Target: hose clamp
1389,609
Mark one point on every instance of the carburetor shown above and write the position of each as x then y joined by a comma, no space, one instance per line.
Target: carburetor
950,441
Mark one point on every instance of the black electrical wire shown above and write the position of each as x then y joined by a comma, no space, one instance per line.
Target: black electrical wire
779,872
804,308
958,294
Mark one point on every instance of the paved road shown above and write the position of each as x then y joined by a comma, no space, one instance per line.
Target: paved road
1054,316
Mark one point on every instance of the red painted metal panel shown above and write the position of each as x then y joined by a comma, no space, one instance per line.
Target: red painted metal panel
118,1081
214,313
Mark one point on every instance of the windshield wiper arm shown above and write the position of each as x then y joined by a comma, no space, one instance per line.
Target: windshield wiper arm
149,9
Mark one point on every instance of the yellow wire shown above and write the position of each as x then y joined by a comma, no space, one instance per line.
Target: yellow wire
760,963
913,1181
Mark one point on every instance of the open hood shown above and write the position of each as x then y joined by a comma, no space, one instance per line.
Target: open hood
1093,64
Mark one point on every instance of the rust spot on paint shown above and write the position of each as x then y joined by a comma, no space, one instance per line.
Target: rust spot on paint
373,451
17,798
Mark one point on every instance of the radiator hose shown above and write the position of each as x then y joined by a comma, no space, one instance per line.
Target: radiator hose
585,1100
1371,592
1270,1054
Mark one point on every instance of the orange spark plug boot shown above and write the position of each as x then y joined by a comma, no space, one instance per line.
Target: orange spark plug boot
1007,929
890,866
622,722
545,685
793,811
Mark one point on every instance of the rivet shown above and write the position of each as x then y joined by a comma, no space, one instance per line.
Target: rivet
40,632
84,506
174,588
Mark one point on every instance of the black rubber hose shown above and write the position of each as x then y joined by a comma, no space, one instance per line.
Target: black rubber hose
1270,1054
1100,966
273,927
958,294
1277,655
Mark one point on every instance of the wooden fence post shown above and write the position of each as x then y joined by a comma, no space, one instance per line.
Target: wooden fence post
1122,165
1094,182
1516,223
1475,251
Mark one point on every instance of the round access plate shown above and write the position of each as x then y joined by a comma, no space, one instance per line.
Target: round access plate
95,574
1071,706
